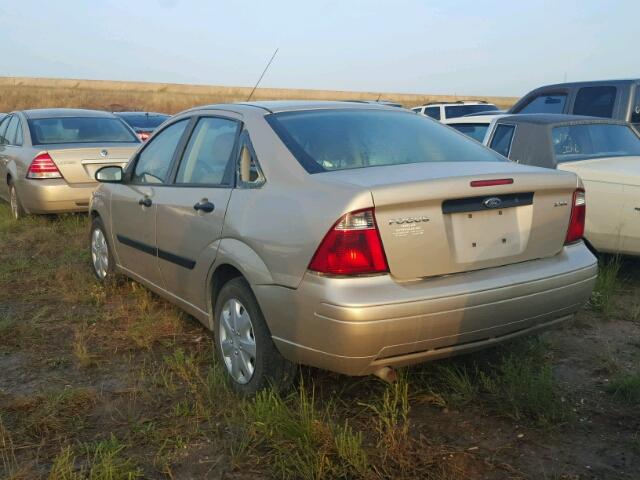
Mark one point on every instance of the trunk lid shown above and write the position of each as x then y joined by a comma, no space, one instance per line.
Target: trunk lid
621,170
433,222
79,164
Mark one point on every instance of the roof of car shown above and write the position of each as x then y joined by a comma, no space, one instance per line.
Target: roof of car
624,81
64,112
556,118
456,102
150,114
479,119
275,106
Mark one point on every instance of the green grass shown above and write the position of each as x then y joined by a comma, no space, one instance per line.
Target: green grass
626,387
606,284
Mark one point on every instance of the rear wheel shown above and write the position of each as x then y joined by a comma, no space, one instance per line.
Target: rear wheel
243,342
17,211
101,258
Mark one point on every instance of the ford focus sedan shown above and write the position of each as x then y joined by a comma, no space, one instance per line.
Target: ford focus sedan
48,158
347,236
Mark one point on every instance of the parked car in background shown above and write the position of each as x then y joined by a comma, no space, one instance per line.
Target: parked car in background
48,158
143,123
475,126
604,153
347,236
616,99
443,111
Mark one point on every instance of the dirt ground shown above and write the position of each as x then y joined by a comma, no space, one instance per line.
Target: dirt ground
113,382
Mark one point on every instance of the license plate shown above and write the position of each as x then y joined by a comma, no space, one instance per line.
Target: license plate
488,234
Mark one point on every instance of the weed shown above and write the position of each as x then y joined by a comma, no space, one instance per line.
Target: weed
606,284
522,388
64,466
626,387
354,459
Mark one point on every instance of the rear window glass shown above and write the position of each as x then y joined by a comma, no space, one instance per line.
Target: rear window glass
455,111
325,140
502,138
583,142
79,130
553,103
473,130
595,101
144,121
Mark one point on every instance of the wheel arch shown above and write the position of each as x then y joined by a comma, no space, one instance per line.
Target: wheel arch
234,259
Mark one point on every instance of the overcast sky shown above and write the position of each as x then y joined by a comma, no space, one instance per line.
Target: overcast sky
491,47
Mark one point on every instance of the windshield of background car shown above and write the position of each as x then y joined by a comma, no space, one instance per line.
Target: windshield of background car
473,130
583,142
325,140
145,121
47,131
455,111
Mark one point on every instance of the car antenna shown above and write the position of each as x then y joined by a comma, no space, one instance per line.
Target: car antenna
263,72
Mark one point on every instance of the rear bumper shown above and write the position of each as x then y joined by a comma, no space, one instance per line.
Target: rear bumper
54,196
357,325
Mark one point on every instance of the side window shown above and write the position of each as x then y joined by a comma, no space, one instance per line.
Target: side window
433,112
10,134
3,129
502,137
154,161
417,110
206,158
18,138
249,173
552,103
595,101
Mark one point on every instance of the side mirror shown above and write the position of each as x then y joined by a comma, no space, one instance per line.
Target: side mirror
110,174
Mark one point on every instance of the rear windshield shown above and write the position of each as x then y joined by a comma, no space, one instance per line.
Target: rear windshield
455,111
473,130
325,140
79,130
144,121
582,142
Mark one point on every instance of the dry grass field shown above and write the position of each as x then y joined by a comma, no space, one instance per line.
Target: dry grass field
21,93
111,382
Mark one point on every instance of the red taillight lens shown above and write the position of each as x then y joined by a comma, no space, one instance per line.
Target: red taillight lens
575,231
144,136
352,247
43,167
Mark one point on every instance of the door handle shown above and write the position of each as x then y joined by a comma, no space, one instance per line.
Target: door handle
205,206
145,202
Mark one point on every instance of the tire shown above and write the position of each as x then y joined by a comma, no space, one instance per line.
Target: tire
17,210
245,349
101,257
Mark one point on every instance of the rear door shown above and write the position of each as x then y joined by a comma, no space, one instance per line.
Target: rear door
133,203
191,212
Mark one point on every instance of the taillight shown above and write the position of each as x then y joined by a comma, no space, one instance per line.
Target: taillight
575,231
351,247
43,167
144,136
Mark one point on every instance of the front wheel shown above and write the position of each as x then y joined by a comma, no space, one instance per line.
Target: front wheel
243,342
101,258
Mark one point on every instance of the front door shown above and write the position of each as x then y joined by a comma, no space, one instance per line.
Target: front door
134,204
190,213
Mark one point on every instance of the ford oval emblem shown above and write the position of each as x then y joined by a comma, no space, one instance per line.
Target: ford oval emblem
492,202
104,153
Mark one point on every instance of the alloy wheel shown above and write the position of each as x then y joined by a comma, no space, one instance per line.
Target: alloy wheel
99,253
237,341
